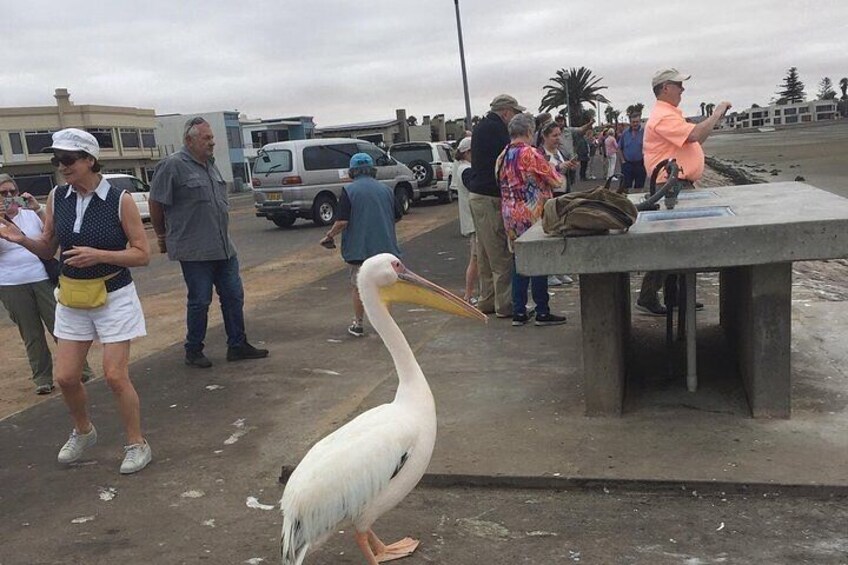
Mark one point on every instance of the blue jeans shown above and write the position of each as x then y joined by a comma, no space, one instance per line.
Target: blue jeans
633,173
199,277
538,286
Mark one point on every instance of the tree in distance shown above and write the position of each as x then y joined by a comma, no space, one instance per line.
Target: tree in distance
571,88
792,89
637,109
826,91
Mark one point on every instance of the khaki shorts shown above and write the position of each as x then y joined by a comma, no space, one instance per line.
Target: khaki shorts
353,272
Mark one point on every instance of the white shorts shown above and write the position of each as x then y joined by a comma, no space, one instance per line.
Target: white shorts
120,319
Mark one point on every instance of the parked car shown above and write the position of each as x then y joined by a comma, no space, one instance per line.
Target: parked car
139,190
430,162
304,178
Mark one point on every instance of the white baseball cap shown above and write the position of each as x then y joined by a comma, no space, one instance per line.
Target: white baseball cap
668,75
73,139
464,145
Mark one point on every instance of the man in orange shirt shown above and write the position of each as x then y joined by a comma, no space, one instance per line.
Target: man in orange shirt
669,136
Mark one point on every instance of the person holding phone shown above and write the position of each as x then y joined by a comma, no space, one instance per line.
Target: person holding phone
25,287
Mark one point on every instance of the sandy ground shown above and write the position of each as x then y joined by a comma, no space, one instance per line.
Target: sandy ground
816,152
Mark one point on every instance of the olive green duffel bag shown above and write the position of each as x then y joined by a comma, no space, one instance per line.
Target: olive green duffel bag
593,212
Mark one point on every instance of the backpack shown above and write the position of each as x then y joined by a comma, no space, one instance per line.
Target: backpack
593,212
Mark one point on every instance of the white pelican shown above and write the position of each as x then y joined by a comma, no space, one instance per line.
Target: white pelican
363,469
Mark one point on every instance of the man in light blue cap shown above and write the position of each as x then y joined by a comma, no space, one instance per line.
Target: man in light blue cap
366,217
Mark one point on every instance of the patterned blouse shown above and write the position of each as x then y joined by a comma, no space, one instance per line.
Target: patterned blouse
526,180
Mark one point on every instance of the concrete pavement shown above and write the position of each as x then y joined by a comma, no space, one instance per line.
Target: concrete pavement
510,414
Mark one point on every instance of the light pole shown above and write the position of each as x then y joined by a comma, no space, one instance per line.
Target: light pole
464,74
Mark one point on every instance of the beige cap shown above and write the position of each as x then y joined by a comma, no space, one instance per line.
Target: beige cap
668,75
502,101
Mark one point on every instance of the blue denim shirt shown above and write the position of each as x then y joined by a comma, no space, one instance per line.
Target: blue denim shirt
631,144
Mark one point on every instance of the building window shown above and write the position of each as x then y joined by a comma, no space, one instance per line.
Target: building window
130,138
38,140
37,185
790,111
103,136
148,139
777,121
807,118
824,108
17,144
234,138
792,119
777,111
804,110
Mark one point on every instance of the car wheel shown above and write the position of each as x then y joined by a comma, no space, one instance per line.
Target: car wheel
403,199
284,220
422,171
324,210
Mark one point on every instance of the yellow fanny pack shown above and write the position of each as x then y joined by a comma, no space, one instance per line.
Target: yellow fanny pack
83,294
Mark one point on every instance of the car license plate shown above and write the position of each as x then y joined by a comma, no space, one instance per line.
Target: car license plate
275,196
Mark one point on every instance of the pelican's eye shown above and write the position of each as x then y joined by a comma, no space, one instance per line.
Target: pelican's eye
398,267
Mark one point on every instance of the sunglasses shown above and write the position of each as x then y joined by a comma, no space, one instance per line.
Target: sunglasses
8,192
66,160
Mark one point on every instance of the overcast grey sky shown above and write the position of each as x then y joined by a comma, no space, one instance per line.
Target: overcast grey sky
344,61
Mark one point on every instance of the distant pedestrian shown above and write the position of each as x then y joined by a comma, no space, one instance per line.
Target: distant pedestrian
190,215
461,164
669,136
526,180
611,151
633,162
366,218
26,290
493,255
100,233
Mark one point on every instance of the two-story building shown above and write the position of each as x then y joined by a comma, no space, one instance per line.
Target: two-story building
125,134
784,114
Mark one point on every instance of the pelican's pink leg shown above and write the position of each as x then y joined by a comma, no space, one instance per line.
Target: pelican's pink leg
365,548
397,550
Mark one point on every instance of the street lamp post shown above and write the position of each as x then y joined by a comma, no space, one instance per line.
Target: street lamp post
464,74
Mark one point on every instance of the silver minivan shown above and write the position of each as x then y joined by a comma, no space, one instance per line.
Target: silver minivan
304,178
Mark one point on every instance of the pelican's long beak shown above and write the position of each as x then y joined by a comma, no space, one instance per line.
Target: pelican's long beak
411,288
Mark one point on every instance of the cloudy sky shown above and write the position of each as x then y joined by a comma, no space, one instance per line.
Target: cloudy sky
343,61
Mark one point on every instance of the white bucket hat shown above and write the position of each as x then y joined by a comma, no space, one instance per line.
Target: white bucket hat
73,139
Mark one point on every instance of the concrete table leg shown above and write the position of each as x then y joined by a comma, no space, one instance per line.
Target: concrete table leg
762,336
605,313
691,327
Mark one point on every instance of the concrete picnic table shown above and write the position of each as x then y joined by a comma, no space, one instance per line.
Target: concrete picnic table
750,234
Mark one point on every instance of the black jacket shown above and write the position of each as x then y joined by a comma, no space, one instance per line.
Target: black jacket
489,139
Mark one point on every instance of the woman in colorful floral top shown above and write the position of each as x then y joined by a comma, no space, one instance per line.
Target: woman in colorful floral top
526,180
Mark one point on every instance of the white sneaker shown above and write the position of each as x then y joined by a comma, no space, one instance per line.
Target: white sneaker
76,445
553,280
137,457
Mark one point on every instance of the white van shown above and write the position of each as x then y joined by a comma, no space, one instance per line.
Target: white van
137,188
304,178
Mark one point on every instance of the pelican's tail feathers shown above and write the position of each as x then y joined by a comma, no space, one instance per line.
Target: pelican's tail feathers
293,546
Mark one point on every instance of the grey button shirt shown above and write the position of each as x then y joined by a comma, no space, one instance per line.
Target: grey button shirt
194,196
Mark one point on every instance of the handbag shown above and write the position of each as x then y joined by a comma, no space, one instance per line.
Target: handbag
83,294
593,212
52,267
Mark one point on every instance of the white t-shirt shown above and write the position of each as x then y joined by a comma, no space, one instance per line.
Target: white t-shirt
466,222
17,264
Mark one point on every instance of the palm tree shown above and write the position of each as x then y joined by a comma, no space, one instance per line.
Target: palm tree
635,109
611,114
571,88
709,108
703,108
843,85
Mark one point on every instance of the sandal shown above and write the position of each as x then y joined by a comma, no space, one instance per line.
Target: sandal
44,389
